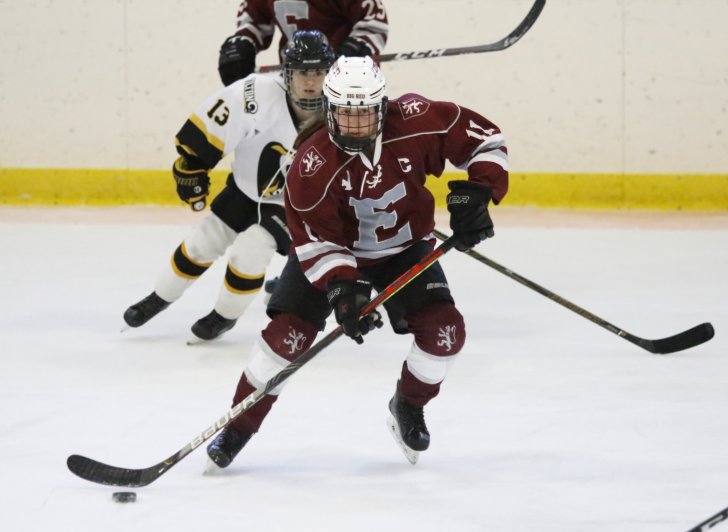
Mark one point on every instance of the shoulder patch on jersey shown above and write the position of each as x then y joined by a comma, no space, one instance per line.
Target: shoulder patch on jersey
311,161
250,105
413,106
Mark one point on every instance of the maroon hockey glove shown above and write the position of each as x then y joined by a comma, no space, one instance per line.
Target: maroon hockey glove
470,221
348,297
353,48
236,60
193,186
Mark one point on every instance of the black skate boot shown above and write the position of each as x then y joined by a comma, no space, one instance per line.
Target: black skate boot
140,313
407,424
269,287
226,446
212,326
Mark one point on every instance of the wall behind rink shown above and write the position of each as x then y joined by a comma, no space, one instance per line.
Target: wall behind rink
605,103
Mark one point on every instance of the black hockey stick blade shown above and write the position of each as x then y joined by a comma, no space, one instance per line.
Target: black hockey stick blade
711,522
679,342
94,471
506,42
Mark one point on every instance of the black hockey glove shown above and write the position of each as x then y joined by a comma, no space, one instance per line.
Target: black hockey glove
237,59
193,186
353,48
348,297
469,218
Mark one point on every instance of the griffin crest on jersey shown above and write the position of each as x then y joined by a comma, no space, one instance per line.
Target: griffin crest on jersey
413,107
310,163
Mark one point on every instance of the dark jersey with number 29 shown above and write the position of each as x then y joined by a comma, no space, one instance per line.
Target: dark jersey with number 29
365,20
345,211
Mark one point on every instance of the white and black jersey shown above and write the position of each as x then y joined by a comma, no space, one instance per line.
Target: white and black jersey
251,119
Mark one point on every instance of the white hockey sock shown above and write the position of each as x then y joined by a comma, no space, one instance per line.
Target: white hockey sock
427,368
249,256
264,364
205,244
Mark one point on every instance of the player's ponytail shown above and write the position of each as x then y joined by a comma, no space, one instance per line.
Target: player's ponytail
308,128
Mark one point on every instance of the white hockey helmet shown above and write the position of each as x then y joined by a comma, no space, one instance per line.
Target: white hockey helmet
355,102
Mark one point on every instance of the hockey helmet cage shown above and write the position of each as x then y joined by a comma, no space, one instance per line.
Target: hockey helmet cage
355,102
307,50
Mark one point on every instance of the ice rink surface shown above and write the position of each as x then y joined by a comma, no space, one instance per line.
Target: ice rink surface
546,422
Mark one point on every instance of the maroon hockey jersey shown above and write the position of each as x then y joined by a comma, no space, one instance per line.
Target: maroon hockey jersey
337,19
345,211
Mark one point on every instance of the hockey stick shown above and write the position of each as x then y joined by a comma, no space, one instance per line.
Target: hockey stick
100,473
506,42
710,523
684,340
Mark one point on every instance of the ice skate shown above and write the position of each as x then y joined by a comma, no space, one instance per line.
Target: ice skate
210,327
407,426
269,287
143,311
225,447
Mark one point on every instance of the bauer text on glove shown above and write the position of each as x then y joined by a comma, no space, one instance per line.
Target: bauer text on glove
470,220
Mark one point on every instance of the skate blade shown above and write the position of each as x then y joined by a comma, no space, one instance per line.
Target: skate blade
410,454
196,341
212,469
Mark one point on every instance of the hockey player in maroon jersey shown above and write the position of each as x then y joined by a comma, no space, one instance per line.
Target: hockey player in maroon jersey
359,216
353,27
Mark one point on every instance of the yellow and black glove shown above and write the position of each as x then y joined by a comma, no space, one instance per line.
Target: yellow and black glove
193,186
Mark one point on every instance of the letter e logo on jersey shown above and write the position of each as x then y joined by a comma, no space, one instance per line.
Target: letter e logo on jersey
413,107
310,162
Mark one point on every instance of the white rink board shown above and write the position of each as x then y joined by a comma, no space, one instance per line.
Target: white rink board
596,86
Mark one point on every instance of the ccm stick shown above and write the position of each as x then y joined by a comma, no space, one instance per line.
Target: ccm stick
100,473
684,340
710,523
506,42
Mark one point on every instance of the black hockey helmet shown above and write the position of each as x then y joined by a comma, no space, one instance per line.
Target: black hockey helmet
307,50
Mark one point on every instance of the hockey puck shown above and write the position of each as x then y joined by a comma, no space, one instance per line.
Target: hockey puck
124,496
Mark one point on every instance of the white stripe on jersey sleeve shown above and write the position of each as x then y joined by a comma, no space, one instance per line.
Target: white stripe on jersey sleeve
373,32
498,157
